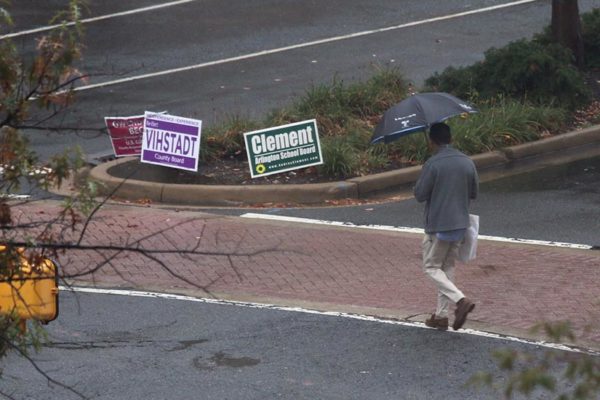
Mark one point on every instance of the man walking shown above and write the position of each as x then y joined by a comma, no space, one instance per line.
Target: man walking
447,183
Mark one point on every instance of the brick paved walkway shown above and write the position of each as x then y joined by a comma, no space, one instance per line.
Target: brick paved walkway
515,286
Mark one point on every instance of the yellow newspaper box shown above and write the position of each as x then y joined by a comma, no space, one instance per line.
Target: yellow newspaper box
31,292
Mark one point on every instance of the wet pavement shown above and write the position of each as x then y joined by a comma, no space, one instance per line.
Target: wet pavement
127,347
579,177
515,286
554,202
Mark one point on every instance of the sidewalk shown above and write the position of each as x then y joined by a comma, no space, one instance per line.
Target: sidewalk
378,273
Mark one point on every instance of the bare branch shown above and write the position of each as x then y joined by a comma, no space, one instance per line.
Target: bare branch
60,128
6,395
150,256
39,370
83,247
102,203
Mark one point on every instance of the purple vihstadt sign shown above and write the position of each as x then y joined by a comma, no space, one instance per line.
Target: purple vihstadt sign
171,141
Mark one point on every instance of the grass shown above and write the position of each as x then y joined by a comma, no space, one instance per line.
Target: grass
505,122
226,140
346,115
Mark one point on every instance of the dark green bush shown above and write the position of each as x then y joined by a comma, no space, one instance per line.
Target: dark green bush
340,159
590,32
347,114
504,122
459,81
371,98
499,123
337,105
525,70
590,26
226,140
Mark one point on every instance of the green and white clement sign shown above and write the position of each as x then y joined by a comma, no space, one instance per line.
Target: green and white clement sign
283,148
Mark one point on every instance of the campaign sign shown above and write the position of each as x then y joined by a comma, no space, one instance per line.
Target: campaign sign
125,134
283,148
171,141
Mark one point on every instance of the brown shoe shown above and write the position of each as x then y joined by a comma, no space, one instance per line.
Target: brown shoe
463,307
440,323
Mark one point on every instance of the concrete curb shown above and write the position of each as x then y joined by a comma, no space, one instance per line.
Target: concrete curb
313,193
217,195
554,143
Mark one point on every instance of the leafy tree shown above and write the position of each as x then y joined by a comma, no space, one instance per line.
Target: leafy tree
37,86
563,375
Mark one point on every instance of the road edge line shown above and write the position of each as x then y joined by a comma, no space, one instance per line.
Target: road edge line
359,317
316,42
403,229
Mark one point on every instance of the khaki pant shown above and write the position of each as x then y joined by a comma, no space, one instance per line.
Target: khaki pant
438,263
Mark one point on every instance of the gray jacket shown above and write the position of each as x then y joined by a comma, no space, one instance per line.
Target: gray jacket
447,183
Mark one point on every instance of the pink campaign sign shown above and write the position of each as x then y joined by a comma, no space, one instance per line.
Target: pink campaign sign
126,134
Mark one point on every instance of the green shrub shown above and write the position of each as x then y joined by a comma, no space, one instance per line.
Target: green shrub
525,70
346,116
226,140
590,32
590,26
412,148
358,138
339,158
371,98
337,105
458,81
374,158
504,122
500,123
327,103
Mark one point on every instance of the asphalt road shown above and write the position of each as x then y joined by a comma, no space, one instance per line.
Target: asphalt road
117,347
222,43
246,58
554,203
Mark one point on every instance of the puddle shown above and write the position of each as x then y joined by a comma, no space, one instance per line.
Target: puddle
94,345
221,359
186,344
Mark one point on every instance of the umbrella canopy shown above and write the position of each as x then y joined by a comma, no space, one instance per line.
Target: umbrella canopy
417,113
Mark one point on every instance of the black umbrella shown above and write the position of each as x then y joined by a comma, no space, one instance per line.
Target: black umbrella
417,113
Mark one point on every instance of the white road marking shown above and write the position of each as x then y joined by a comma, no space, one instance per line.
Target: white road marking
367,318
35,171
11,196
94,19
409,230
293,47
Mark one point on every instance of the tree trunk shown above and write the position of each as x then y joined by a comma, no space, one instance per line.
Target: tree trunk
566,27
